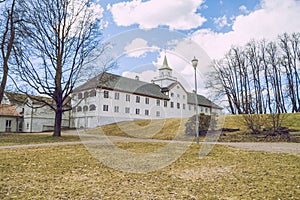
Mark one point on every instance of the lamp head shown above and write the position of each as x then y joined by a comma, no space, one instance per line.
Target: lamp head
195,62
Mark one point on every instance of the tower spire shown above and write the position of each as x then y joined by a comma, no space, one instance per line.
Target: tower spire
165,63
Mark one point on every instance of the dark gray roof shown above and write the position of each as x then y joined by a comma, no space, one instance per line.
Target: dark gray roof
119,83
203,101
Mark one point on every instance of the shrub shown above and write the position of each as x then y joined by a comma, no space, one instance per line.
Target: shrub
204,123
267,124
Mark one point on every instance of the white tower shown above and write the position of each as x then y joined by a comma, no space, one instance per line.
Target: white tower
165,77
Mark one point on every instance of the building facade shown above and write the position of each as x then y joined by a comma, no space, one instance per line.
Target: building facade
27,115
10,120
109,98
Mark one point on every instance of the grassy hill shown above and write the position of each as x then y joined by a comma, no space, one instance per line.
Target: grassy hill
175,129
150,129
290,120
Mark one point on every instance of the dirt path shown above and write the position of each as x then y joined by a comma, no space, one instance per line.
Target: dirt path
293,148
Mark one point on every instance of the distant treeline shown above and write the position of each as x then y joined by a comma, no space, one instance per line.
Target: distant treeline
260,77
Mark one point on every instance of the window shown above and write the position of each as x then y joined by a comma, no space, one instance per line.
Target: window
105,107
79,95
137,111
127,110
172,104
8,126
183,96
183,106
79,109
106,94
172,94
206,110
165,103
93,93
92,107
138,99
190,107
85,108
146,112
178,105
127,97
86,94
146,100
73,109
178,87
27,125
117,95
158,102
157,114
178,95
116,109
201,109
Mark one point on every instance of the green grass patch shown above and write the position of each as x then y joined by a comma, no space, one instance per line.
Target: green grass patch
33,138
70,172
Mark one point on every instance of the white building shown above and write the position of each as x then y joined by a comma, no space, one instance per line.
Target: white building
9,118
109,98
32,116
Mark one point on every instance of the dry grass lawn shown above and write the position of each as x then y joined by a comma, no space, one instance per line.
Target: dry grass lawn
7,139
70,172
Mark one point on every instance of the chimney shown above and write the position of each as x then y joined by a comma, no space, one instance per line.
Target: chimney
137,78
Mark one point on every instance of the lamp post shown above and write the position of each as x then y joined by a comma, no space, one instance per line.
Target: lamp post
195,63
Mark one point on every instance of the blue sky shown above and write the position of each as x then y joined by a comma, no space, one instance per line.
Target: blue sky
142,32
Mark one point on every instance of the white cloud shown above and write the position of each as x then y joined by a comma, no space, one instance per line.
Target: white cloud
221,21
145,76
179,14
139,47
244,9
179,57
273,18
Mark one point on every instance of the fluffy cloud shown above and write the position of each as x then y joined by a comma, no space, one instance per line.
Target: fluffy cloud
243,9
145,76
139,47
179,14
221,21
273,18
180,53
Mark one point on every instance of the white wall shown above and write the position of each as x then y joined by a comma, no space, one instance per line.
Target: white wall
3,123
98,117
41,119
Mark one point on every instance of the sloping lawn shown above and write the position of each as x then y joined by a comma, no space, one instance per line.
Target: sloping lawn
70,172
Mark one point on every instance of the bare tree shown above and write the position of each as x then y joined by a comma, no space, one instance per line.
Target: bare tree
58,37
290,45
7,39
261,77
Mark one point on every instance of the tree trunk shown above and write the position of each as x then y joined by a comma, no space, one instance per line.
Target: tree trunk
6,46
58,122
3,81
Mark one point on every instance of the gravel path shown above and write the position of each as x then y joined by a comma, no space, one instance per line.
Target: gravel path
293,148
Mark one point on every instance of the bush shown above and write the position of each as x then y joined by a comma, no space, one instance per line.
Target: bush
269,124
204,123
